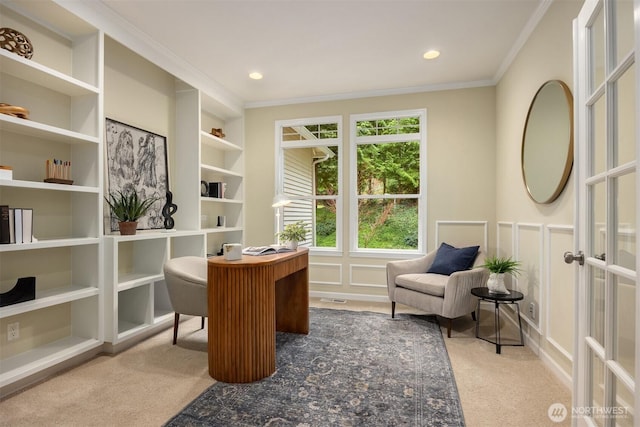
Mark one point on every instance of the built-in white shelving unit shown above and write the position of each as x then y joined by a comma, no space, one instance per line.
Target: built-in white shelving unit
97,291
61,86
219,160
136,294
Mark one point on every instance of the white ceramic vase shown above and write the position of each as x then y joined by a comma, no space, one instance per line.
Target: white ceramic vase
292,244
496,284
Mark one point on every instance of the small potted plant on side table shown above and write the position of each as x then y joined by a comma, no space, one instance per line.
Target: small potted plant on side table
498,267
128,208
293,234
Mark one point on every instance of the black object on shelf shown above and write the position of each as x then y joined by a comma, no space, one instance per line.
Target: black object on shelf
169,209
24,290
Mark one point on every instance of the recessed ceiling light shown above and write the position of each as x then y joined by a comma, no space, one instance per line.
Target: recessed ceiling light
255,75
431,54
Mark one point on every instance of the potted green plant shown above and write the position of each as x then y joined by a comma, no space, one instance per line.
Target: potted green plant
128,208
498,267
293,234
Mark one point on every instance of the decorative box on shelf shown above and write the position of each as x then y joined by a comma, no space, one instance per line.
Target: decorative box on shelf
6,172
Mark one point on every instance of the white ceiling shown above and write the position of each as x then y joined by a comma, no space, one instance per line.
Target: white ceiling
325,49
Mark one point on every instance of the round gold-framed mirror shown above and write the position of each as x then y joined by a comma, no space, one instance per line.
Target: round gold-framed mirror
547,142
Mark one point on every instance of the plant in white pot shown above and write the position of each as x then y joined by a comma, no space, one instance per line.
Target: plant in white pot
293,234
128,209
498,267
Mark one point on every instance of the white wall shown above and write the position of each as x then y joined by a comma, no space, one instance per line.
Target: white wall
460,169
541,232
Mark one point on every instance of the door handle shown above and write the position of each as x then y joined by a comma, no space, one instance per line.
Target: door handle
569,257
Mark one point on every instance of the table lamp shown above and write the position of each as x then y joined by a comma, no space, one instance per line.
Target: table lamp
279,201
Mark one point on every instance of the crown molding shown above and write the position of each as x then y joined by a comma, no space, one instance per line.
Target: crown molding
105,19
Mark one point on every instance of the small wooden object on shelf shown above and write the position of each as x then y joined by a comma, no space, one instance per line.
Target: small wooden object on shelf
217,132
13,110
58,172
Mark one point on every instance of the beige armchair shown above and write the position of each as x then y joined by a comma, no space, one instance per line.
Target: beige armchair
186,279
448,296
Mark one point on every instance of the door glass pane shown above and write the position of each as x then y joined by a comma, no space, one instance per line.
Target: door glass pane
598,212
625,121
597,51
625,200
625,312
623,409
597,389
596,282
624,28
599,145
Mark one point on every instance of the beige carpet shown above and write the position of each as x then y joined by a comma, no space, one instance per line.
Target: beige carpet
152,381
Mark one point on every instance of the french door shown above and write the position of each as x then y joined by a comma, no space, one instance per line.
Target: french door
607,346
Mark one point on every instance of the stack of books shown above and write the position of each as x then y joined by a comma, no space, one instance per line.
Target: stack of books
16,225
217,189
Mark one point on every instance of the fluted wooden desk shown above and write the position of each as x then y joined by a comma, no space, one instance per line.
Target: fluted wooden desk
249,299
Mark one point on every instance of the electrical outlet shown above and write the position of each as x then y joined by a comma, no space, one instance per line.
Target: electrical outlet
13,331
532,310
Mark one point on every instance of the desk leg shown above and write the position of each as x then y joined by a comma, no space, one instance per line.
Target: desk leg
292,303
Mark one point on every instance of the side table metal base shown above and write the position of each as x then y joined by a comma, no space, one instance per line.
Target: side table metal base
497,300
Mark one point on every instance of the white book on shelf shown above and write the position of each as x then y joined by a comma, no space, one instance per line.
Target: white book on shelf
17,224
27,225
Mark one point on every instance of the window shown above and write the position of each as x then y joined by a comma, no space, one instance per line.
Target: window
308,174
388,178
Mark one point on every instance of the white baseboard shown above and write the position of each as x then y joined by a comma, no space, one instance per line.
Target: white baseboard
349,297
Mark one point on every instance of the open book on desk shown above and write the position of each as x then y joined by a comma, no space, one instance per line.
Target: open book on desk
265,250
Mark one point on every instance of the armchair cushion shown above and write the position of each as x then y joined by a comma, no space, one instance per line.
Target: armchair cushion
450,259
426,283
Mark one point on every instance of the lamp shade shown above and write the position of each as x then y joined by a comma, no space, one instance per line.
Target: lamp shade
280,200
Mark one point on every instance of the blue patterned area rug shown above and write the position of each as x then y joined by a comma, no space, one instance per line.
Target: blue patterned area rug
353,369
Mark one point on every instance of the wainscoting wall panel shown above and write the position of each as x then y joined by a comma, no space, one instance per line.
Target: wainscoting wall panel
367,275
560,286
325,274
529,251
505,239
462,233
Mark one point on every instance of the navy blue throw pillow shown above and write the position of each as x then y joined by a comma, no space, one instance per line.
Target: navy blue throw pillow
449,259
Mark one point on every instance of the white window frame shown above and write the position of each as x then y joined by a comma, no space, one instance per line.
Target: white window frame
356,140
279,168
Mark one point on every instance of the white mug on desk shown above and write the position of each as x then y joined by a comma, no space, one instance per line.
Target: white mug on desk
232,251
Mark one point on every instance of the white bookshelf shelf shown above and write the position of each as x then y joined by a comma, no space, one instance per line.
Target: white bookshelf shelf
130,281
218,143
44,131
221,171
30,362
48,186
41,75
49,298
48,244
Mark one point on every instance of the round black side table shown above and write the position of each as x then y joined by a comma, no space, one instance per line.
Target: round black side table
513,297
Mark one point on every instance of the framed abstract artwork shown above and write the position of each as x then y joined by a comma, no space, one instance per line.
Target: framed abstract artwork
137,161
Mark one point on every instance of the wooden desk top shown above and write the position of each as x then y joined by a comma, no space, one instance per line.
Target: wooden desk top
255,260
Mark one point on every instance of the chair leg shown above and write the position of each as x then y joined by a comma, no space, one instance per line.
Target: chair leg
449,328
393,309
176,320
202,323
473,315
